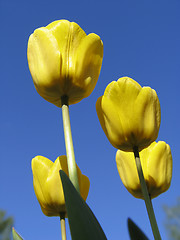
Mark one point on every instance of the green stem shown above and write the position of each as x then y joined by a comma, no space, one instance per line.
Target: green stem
69,143
146,196
63,226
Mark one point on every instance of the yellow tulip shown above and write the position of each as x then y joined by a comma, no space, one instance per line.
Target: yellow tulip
48,187
129,114
156,161
64,61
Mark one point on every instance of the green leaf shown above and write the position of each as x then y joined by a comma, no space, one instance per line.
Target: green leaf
16,236
83,223
135,232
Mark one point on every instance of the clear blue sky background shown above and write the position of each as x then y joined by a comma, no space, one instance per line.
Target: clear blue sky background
141,40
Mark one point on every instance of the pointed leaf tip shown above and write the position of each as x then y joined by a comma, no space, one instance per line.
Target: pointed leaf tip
135,232
15,235
83,223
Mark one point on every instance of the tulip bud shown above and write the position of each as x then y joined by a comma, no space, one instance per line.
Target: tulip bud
129,114
64,61
156,161
48,187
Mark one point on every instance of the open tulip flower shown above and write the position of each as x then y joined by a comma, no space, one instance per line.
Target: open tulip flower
156,161
48,187
129,114
64,61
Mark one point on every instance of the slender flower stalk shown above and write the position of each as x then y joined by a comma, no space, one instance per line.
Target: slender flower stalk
63,226
146,195
69,143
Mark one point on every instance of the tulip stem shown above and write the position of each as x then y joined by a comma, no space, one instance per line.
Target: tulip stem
63,226
69,143
146,196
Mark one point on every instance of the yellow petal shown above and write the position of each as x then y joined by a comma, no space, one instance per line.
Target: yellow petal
44,61
40,168
54,187
148,116
87,66
84,184
68,36
159,168
110,122
128,173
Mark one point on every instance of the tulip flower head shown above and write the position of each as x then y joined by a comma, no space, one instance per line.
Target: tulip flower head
64,61
156,161
129,114
48,187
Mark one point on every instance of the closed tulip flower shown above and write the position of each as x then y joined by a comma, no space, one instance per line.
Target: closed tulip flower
64,61
48,187
156,161
129,114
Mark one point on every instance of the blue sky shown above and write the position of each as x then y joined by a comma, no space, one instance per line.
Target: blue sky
141,40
